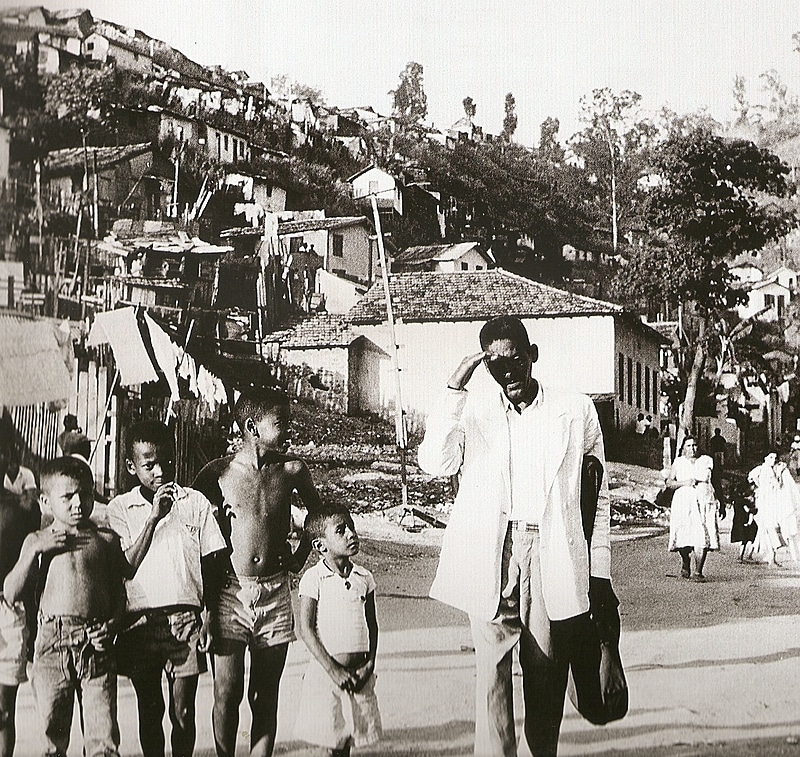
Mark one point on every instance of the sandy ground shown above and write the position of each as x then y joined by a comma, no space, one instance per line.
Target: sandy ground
713,668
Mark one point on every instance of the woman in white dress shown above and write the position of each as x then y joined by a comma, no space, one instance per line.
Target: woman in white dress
776,500
693,526
788,510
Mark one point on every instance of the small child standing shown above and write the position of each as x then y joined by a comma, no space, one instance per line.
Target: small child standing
78,570
338,624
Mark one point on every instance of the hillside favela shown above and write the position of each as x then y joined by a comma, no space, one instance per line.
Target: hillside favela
277,372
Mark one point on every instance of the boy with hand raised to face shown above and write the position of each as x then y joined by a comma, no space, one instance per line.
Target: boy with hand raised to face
170,534
79,570
252,491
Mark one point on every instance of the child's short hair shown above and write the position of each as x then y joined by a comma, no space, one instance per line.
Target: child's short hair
256,403
68,467
152,432
317,520
76,443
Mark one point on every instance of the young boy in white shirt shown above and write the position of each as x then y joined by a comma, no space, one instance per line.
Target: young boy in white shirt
338,624
169,532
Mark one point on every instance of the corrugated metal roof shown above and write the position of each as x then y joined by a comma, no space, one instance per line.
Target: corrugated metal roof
472,295
319,224
425,253
296,227
70,158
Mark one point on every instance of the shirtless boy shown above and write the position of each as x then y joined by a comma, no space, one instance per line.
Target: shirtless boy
253,494
79,569
18,518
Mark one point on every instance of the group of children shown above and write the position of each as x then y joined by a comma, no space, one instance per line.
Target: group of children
180,573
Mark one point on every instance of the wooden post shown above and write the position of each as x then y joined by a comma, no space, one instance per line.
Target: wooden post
39,215
96,198
109,399
399,413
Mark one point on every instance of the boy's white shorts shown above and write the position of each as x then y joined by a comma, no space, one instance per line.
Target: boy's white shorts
330,717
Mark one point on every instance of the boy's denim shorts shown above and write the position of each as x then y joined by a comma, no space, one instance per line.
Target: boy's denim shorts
13,643
165,638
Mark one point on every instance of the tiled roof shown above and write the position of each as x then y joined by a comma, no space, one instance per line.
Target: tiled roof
472,295
326,330
73,157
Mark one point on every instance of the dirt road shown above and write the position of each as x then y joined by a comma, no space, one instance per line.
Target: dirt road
713,668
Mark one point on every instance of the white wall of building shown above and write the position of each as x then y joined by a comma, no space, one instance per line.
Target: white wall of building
637,380
574,353
378,182
12,282
470,261
340,294
773,294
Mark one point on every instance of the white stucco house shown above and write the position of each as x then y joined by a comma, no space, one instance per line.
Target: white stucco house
769,295
746,272
346,244
374,180
584,344
444,258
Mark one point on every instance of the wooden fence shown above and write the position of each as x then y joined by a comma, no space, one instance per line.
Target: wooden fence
97,407
105,411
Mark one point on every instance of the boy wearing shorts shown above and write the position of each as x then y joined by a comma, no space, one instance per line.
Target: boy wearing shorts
252,491
337,622
169,532
78,569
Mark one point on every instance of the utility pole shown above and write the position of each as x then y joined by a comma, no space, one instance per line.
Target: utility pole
399,413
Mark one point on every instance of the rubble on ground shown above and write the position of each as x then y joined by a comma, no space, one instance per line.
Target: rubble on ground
354,461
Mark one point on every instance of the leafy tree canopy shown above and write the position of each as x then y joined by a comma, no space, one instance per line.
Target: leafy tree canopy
710,201
409,99
470,107
510,119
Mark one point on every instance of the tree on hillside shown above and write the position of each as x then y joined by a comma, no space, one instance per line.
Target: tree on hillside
711,202
550,149
740,99
470,108
781,103
410,104
510,119
613,149
504,190
23,106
